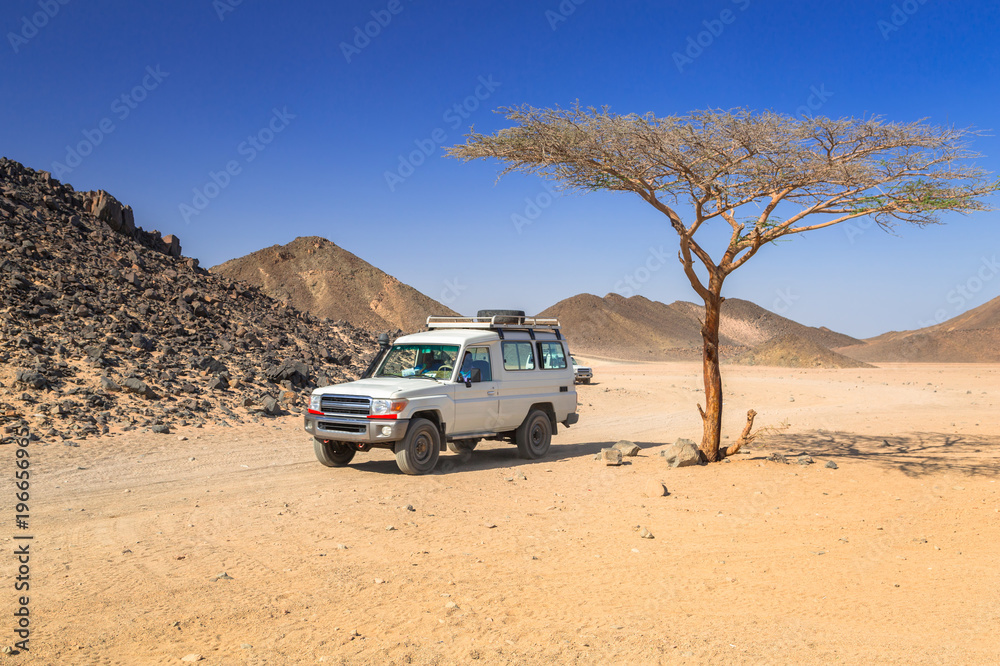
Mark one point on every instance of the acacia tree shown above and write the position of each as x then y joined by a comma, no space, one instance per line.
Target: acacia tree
766,175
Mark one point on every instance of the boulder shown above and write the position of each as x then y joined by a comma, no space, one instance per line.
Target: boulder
138,387
655,488
33,379
611,456
106,208
627,448
682,453
172,245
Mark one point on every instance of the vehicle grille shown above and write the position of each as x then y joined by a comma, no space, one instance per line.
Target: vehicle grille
355,429
345,405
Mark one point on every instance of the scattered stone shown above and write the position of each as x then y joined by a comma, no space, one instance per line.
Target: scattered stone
192,657
682,453
109,384
804,459
221,576
138,387
655,488
489,525
161,429
611,456
645,534
451,605
830,464
390,528
627,448
778,458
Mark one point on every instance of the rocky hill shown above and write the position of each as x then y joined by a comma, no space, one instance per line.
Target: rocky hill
316,276
106,326
792,351
971,337
637,328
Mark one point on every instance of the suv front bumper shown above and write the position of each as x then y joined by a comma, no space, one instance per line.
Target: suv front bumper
371,431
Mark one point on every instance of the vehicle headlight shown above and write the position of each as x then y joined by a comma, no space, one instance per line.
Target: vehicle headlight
382,407
314,401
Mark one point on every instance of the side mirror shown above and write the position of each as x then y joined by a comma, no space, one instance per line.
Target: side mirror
474,376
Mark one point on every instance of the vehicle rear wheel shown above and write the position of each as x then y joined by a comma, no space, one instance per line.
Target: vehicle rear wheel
333,454
534,435
418,452
462,445
585,381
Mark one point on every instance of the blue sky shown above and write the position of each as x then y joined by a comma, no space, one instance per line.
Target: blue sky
242,124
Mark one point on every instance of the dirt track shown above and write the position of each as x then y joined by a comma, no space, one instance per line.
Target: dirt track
891,558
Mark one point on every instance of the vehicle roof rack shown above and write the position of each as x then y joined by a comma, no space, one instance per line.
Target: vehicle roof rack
498,323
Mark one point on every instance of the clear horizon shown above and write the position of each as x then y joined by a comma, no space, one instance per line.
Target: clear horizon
237,126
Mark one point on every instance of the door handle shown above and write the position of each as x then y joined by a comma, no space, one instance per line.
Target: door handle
491,392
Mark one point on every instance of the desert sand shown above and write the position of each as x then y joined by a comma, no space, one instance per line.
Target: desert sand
890,558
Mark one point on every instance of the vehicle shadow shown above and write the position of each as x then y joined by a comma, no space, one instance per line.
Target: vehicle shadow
914,454
496,457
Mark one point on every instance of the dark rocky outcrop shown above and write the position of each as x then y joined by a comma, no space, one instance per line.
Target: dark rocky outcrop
106,327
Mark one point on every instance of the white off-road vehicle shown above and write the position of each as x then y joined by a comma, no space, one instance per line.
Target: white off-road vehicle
498,376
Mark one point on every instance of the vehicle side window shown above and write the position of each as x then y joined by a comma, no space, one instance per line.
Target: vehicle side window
518,356
552,355
477,357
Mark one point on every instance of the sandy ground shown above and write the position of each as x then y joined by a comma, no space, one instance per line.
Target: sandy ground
892,558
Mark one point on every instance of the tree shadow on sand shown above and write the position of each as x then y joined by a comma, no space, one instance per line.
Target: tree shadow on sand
914,454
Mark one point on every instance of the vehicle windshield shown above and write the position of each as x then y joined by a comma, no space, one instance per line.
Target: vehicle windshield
435,361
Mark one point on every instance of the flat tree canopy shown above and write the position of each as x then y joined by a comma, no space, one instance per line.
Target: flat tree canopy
765,175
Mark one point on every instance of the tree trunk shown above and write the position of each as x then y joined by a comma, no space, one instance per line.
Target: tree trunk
712,414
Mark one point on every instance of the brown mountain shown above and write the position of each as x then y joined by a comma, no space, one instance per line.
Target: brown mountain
971,337
315,275
792,351
637,328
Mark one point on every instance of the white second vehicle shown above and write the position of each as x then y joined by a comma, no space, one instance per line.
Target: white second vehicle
499,377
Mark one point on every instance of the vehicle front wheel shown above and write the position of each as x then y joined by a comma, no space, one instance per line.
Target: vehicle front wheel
534,435
333,454
418,452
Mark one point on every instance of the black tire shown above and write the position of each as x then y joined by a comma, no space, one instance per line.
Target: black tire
333,454
418,452
585,381
462,445
534,436
503,316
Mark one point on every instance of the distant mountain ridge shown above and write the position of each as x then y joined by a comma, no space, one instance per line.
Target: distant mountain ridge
315,275
971,337
637,328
